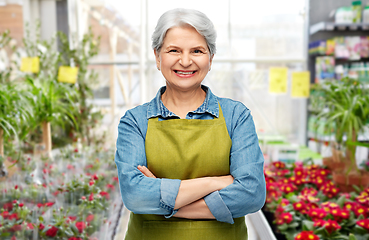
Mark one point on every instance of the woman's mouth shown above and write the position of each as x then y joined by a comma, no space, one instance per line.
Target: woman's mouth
184,72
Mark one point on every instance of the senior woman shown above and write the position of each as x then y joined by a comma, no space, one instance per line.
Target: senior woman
189,162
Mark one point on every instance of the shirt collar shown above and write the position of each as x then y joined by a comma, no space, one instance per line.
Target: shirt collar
156,107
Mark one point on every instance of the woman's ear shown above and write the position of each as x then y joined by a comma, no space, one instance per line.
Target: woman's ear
211,61
157,59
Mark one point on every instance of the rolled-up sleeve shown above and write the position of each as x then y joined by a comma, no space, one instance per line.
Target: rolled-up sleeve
141,194
248,191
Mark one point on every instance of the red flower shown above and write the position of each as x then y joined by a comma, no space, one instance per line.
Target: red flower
288,188
83,198
15,201
317,213
30,226
360,210
13,216
116,179
72,218
80,226
331,226
49,204
91,183
90,218
76,150
91,197
306,235
279,164
328,206
299,172
13,238
340,214
105,194
52,231
94,177
8,206
74,238
364,223
299,206
21,204
16,187
319,223
279,211
41,226
110,186
39,205
309,191
16,228
350,205
273,195
285,218
5,214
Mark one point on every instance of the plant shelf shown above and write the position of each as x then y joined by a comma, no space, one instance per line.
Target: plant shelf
331,26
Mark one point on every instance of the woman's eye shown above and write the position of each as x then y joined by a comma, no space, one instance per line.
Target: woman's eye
197,51
173,51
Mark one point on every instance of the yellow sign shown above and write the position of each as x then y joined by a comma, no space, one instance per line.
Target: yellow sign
300,84
30,64
67,74
278,80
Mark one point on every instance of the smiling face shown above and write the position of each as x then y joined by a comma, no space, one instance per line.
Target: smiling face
184,58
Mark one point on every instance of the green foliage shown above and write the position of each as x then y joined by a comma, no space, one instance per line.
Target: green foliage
80,55
53,102
346,106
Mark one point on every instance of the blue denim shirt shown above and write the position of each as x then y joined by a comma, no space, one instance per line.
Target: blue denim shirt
143,195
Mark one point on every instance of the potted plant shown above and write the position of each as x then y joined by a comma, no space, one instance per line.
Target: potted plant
51,102
347,109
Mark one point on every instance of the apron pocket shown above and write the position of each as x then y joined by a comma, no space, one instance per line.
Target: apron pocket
187,230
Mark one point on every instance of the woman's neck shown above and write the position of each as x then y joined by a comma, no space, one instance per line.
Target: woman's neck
180,102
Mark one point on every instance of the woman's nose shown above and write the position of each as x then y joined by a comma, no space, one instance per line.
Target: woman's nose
185,60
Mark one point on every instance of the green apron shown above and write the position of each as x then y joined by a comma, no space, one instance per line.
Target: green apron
186,149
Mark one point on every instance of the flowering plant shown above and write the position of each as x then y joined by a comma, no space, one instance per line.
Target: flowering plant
307,204
60,206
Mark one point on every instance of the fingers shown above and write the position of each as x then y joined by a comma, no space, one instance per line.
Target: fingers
146,171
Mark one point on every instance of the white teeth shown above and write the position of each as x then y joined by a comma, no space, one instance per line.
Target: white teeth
185,73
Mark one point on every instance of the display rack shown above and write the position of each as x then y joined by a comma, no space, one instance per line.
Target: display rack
331,26
322,27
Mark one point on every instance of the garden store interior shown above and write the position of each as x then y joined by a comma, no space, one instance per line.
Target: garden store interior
70,69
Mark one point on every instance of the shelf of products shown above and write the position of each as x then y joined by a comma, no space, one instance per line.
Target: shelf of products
331,26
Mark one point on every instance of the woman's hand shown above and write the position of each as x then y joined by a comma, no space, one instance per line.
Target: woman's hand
221,181
192,190
146,171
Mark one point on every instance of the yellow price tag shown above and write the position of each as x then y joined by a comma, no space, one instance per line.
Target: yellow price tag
278,80
30,64
300,84
67,74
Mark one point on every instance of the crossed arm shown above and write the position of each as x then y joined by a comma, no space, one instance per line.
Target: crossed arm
189,201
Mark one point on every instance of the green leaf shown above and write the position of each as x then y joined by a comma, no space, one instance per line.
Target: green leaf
307,225
352,237
283,227
341,201
74,229
293,225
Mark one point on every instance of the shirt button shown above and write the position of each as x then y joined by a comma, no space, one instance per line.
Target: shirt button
190,114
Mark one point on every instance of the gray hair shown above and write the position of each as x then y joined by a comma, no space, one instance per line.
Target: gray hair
180,17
